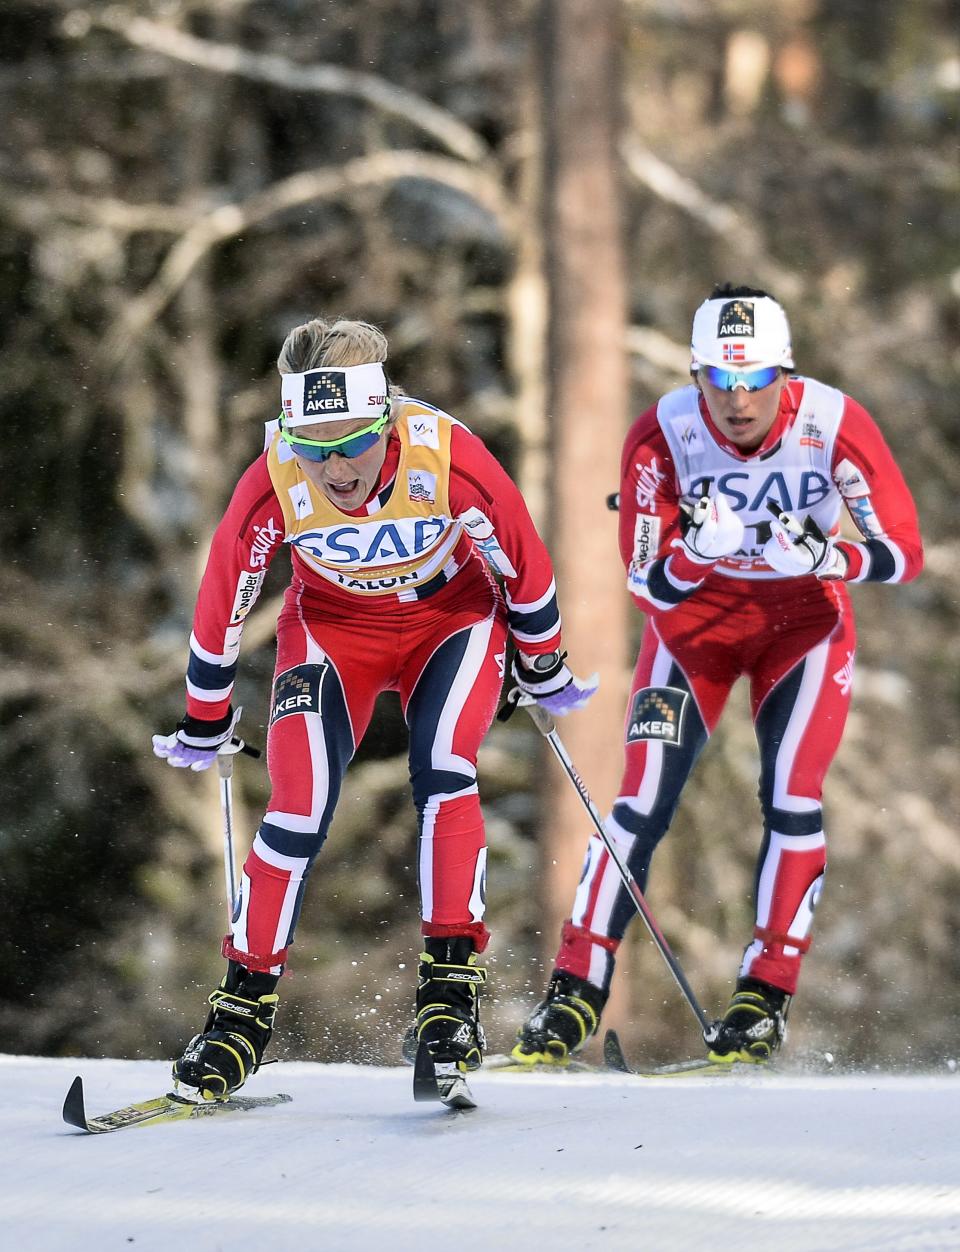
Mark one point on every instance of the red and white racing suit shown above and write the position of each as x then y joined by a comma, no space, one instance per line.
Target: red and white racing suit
793,637
396,596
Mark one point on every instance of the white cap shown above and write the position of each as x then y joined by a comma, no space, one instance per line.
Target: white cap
741,332
333,394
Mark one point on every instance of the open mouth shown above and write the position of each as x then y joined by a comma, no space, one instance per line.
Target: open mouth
343,489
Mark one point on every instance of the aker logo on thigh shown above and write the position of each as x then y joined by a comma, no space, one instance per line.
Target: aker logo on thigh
657,713
297,690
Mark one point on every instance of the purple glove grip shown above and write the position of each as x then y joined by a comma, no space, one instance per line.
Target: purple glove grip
573,696
182,757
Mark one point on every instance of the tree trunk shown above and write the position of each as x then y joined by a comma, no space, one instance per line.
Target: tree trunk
588,404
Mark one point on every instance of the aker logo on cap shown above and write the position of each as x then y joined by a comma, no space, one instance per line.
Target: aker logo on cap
324,391
734,330
736,320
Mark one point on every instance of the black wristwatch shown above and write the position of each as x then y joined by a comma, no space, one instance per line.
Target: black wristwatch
545,662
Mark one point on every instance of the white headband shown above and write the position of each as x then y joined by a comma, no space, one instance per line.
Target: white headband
333,394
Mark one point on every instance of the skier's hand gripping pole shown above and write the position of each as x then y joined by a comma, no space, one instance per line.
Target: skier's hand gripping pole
547,727
195,743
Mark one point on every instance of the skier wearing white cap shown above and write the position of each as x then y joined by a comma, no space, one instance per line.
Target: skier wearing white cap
730,499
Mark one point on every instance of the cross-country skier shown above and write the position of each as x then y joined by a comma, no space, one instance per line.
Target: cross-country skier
730,497
394,513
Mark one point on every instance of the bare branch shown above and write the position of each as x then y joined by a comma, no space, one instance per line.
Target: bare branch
446,129
720,219
660,351
39,73
34,212
230,220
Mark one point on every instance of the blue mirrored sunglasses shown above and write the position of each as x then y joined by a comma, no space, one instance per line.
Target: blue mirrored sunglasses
349,446
750,380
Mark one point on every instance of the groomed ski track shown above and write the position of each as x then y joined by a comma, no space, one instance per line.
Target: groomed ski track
866,1161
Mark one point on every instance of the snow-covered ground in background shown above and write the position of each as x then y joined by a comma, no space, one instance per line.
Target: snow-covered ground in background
765,1163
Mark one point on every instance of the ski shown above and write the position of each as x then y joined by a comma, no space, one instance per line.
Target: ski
506,1063
165,1108
614,1059
440,1081
615,1062
614,1056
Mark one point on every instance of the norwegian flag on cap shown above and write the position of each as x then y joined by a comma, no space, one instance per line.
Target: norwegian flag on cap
749,330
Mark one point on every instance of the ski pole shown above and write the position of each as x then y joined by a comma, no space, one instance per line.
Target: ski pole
547,727
225,769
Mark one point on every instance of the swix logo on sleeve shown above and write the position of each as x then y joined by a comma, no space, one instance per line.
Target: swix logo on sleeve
736,320
248,588
657,713
324,391
844,675
264,538
646,538
649,478
297,690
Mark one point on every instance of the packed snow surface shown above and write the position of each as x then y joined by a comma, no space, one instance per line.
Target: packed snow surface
555,1162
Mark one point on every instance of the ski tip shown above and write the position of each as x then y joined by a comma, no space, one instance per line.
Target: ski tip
613,1056
74,1113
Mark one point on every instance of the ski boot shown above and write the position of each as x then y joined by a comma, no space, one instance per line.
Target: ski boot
562,1024
448,1019
752,1028
230,1048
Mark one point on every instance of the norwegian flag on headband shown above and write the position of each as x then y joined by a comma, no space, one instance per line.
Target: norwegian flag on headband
734,352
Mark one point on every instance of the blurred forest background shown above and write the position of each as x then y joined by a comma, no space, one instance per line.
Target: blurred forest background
531,199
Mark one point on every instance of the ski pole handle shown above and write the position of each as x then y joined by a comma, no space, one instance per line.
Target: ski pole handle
517,698
235,745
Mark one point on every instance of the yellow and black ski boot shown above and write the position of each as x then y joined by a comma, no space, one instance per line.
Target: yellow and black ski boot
563,1024
753,1027
448,1018
230,1047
